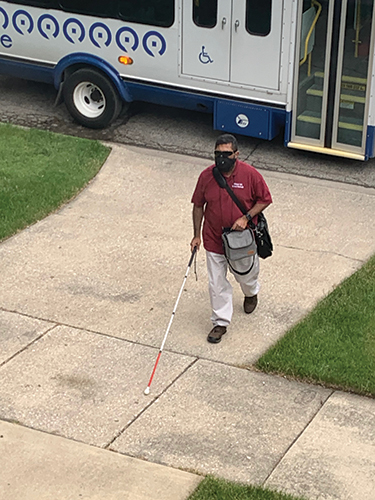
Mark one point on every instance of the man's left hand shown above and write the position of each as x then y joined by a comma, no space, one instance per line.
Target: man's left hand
240,224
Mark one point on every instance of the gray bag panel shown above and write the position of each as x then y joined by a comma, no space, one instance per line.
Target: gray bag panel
239,244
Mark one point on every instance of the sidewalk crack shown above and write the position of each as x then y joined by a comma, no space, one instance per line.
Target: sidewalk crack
28,345
361,261
136,417
297,437
252,152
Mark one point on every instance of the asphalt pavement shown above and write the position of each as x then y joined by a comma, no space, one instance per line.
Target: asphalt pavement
85,300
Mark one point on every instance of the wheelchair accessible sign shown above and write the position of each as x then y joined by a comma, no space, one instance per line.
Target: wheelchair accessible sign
204,57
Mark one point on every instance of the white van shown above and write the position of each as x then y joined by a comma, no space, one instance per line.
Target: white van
304,67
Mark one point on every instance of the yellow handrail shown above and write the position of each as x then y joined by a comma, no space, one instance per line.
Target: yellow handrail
313,2
358,27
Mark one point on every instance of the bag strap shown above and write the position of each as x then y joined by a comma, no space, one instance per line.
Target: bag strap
222,182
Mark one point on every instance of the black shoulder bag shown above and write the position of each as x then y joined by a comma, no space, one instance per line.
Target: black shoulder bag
262,235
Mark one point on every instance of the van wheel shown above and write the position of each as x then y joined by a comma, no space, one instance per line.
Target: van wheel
91,98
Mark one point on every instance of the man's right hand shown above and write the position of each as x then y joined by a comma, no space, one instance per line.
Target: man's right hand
195,242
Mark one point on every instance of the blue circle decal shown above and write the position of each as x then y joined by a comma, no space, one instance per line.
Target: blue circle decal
46,28
127,40
19,25
152,47
74,23
99,27
6,18
100,35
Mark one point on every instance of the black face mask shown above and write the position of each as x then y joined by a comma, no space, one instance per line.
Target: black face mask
224,164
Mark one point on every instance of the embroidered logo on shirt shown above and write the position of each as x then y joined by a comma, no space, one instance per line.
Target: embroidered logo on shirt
238,185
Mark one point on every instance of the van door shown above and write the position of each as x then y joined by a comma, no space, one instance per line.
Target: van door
206,32
235,41
333,76
256,43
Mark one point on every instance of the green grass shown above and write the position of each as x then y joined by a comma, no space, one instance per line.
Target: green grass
218,489
335,344
40,171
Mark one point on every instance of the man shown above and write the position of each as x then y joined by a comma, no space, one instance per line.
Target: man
215,206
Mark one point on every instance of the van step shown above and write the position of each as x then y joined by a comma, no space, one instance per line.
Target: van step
349,95
349,79
345,123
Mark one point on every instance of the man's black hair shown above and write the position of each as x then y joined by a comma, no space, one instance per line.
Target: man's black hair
227,139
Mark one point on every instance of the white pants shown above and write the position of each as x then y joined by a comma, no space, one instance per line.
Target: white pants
220,289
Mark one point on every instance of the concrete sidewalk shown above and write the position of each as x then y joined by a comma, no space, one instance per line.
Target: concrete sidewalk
85,299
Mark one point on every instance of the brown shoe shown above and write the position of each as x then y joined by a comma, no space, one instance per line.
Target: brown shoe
216,333
250,303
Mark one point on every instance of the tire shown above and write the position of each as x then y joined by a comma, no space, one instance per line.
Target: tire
91,98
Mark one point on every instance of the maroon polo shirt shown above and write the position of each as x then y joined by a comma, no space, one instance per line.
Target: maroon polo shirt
219,208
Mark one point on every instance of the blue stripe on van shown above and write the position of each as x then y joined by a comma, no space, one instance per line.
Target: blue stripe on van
370,142
27,70
259,120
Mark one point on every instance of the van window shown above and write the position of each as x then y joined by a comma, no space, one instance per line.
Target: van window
51,4
89,7
154,12
258,17
205,13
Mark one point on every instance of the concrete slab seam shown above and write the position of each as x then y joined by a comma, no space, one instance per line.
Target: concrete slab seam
170,351
107,446
248,367
12,311
323,252
88,330
28,345
297,437
331,184
180,150
278,171
276,168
